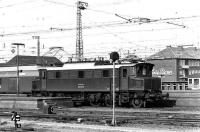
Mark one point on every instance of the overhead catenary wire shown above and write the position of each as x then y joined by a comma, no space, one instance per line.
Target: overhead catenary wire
95,26
16,4
60,3
51,29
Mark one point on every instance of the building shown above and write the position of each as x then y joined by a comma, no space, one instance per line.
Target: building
175,65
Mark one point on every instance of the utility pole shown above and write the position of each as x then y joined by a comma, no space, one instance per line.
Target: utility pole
18,44
38,44
79,39
38,48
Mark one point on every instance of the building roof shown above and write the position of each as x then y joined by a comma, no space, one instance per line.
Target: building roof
177,52
33,60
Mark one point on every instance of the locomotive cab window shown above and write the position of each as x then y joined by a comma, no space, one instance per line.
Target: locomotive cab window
80,74
105,73
144,70
133,71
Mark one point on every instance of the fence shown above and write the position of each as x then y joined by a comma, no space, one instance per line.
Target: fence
174,86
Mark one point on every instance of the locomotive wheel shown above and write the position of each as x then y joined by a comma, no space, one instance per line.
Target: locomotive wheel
136,102
94,100
107,100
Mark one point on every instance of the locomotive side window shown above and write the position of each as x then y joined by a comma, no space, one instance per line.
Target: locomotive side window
105,73
88,74
124,72
58,74
43,75
80,74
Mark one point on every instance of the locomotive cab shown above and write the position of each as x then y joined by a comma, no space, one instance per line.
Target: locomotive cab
143,87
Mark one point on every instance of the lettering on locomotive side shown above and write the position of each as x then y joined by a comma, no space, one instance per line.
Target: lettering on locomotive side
81,86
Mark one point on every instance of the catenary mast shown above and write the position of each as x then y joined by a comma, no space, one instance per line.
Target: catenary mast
79,39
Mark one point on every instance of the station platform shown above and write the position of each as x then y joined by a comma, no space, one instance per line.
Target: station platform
186,98
34,103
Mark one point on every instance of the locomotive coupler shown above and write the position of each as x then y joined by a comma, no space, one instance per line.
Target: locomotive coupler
16,117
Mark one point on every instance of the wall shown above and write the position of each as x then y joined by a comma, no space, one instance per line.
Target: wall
166,69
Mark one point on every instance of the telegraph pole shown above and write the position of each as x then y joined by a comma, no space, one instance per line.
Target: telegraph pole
18,44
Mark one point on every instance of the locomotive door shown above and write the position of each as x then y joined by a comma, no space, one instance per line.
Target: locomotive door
43,79
124,78
123,85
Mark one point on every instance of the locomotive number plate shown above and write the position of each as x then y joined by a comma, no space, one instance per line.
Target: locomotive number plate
81,85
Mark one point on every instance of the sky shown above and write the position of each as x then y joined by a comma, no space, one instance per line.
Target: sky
177,23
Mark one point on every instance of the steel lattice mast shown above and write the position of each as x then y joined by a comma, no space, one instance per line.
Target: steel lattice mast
79,39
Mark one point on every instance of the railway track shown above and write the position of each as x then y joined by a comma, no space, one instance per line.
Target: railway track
124,118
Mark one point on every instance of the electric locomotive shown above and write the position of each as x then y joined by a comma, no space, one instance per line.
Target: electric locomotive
92,82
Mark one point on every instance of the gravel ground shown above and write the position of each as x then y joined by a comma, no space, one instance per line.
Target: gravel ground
45,125
50,125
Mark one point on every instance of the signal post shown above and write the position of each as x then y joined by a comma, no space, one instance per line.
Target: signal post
114,56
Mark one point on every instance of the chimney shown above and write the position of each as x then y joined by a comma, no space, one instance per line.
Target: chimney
168,46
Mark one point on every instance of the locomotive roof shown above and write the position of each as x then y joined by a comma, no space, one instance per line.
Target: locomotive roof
74,66
14,68
69,66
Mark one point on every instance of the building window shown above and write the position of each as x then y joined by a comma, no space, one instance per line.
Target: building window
174,85
163,87
186,62
181,87
190,72
80,74
196,81
181,72
124,72
182,62
105,73
190,81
